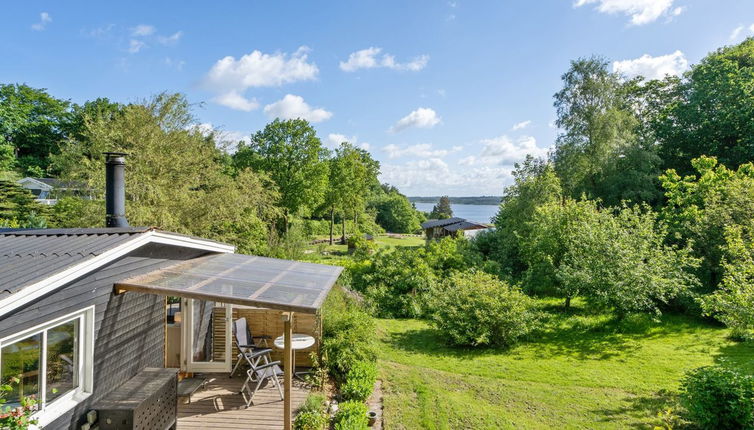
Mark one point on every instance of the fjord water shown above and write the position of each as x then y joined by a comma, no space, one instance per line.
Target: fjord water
478,213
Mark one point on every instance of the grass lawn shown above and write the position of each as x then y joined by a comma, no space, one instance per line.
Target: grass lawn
333,253
582,371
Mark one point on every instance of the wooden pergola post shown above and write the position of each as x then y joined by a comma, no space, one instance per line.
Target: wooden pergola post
287,371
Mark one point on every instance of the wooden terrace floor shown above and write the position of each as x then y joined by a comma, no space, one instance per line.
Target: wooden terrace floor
221,406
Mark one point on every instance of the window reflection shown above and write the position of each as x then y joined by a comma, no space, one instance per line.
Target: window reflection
62,356
20,368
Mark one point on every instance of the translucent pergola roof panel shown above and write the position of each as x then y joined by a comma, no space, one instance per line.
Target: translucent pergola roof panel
243,280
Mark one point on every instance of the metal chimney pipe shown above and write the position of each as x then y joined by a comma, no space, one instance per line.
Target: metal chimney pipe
115,189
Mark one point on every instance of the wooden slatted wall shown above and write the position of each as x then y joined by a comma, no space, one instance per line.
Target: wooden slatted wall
267,322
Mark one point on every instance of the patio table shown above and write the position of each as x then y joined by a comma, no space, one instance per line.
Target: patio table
298,341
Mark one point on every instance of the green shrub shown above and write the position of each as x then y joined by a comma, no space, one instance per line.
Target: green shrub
359,381
312,415
348,334
360,246
351,415
396,281
476,308
719,398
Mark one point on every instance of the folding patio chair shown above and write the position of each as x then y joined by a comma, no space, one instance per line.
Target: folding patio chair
250,351
258,374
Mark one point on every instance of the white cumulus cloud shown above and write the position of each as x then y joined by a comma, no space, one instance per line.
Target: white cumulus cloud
420,118
230,77
653,67
236,101
641,11
370,58
504,151
44,19
292,107
421,150
521,125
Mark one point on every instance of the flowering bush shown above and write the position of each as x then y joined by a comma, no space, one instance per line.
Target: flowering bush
18,417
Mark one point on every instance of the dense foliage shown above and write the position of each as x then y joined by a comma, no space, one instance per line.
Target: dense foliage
395,213
733,302
442,209
719,398
396,282
700,207
475,308
312,415
616,258
359,381
293,156
347,334
351,415
709,111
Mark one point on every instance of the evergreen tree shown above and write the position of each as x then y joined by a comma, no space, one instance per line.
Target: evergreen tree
442,209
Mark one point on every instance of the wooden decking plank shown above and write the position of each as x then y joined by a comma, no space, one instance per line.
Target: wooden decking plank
221,406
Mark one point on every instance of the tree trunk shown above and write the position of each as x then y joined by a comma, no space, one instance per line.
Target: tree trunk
332,223
343,235
568,302
285,220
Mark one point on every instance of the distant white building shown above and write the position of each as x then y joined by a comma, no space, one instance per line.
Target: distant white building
48,190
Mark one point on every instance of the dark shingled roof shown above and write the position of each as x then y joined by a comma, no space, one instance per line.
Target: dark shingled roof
28,256
440,222
466,225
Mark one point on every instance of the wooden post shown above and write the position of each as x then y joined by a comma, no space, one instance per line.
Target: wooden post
288,370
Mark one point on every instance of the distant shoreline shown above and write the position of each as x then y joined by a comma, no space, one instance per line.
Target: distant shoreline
479,200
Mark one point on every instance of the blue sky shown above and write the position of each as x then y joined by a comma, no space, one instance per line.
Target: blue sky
447,95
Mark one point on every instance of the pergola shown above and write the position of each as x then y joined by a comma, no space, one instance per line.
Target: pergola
289,286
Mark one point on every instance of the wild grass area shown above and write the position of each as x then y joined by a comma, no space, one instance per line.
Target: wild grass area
580,371
324,252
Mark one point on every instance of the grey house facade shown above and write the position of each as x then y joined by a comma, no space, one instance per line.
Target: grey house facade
57,304
83,311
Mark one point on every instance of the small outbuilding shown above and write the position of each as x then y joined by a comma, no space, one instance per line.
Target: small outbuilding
453,227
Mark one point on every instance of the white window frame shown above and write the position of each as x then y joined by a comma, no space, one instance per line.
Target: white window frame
58,407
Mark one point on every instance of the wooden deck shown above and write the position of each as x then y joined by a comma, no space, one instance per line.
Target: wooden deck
221,406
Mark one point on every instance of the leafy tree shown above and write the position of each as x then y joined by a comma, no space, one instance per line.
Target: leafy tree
174,179
700,207
712,113
32,122
442,209
395,213
535,184
592,111
293,156
623,263
733,303
618,259
351,173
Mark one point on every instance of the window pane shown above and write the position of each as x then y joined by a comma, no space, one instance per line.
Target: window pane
20,368
62,359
